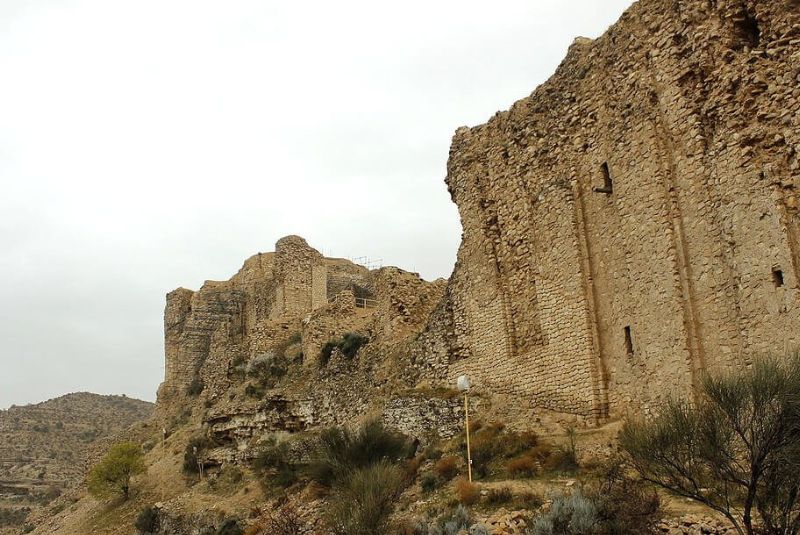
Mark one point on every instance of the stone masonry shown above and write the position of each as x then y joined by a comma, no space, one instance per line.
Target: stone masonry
633,223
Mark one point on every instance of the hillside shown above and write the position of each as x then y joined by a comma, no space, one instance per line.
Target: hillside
46,447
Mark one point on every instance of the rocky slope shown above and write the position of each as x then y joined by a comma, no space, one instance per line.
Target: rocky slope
45,448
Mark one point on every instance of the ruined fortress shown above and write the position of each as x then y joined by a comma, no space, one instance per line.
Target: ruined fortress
628,227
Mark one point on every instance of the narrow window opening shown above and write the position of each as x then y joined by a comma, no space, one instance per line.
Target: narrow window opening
608,183
777,277
628,342
747,31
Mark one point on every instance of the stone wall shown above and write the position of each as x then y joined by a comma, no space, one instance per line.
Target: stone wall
632,223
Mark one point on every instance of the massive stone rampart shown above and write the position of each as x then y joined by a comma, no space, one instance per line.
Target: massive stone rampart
633,223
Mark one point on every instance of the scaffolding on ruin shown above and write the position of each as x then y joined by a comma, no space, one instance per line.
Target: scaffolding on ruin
367,262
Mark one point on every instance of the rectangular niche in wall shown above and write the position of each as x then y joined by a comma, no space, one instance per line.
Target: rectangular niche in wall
608,183
628,342
777,277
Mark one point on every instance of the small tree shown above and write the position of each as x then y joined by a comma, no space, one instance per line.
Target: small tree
112,475
736,450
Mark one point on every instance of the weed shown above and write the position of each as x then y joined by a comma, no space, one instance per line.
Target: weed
446,468
466,492
499,496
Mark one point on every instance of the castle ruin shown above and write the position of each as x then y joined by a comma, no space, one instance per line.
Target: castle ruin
628,227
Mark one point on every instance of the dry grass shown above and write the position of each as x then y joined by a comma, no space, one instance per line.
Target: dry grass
446,468
466,492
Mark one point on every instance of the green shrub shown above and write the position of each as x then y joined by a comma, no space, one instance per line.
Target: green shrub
268,368
192,452
195,387
429,482
351,343
274,464
112,475
364,470
340,451
733,449
147,520
362,503
326,352
499,496
348,345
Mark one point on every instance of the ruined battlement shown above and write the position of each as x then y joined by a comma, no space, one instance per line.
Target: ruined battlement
292,297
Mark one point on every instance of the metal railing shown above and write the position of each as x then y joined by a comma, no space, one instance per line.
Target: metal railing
365,302
361,302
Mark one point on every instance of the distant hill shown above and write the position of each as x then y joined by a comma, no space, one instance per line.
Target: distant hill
44,447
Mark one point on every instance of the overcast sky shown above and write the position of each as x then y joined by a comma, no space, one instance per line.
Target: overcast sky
151,144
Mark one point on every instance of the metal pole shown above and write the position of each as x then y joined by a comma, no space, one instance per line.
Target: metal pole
469,455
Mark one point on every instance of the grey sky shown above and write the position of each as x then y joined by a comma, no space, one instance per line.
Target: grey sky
151,144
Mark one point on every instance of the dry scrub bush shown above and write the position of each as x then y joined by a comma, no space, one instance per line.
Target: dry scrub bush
528,500
499,496
283,521
466,492
626,506
523,466
446,468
